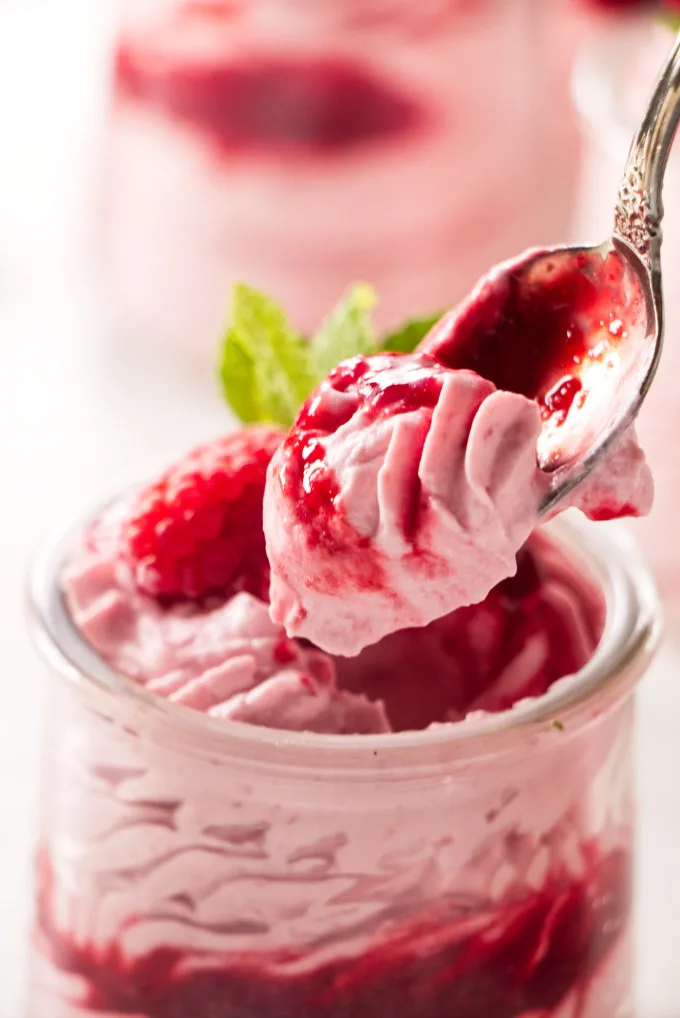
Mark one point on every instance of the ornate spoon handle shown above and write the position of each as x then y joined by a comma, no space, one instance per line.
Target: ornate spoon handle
639,209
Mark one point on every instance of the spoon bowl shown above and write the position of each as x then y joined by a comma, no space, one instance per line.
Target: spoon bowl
613,383
579,330
575,329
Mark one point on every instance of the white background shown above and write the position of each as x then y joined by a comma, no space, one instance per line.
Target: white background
79,415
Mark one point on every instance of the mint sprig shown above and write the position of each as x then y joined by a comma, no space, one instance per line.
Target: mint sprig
265,366
407,338
267,369
348,331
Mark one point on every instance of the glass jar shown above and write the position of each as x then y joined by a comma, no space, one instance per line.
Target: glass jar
193,866
613,82
300,145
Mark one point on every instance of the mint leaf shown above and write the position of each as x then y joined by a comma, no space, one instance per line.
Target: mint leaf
237,377
670,18
348,330
408,336
266,368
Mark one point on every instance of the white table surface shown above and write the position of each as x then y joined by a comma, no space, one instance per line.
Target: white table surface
78,416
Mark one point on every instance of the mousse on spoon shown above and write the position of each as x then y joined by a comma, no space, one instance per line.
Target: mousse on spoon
409,482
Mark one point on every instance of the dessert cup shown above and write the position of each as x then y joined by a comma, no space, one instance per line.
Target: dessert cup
299,146
189,865
613,80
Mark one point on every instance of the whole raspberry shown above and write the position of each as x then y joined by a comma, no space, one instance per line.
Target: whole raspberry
197,531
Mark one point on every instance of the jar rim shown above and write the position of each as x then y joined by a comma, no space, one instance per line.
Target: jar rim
627,645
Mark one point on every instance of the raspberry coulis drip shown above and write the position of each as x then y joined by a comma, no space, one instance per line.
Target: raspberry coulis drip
523,957
559,400
314,490
315,483
602,513
534,336
371,388
462,657
273,103
522,608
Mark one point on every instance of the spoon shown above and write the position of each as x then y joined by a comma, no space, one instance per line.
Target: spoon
628,266
579,329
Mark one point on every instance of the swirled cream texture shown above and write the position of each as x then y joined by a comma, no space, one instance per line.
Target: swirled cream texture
228,659
174,884
405,491
408,483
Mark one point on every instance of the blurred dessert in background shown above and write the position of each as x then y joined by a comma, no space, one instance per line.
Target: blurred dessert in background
301,146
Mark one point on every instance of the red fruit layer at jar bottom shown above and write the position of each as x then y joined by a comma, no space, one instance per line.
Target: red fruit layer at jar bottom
525,956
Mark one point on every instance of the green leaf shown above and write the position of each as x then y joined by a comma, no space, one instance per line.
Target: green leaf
266,368
408,336
237,377
673,20
348,330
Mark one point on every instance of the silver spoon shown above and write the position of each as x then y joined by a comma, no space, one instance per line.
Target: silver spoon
579,329
636,238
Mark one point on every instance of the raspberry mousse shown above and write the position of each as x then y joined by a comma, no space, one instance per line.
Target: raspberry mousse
180,874
170,587
172,880
241,824
518,956
409,482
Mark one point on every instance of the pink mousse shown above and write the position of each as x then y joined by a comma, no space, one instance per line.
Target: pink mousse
228,659
403,492
408,483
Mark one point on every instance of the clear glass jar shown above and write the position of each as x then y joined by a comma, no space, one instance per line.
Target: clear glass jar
191,866
614,79
300,145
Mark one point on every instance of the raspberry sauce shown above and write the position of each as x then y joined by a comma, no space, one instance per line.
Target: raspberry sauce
534,332
381,386
523,957
463,659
